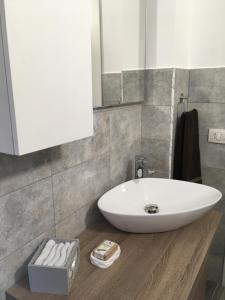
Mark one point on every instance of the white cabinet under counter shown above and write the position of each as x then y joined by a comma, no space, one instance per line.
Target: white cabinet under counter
45,74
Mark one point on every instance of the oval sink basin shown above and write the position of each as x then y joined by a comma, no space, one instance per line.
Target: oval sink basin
156,205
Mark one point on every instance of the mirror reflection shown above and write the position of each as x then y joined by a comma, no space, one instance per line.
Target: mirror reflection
123,38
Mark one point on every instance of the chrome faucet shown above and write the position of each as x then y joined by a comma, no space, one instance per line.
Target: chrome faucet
140,167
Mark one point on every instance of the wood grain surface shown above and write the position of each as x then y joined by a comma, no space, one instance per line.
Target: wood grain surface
151,266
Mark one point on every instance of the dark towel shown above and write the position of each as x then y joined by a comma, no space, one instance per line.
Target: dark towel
187,163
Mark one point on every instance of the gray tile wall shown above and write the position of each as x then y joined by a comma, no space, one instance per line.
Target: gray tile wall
206,91
158,87
54,192
180,86
162,92
207,85
207,95
156,120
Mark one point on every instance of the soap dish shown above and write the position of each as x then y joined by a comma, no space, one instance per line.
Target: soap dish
104,264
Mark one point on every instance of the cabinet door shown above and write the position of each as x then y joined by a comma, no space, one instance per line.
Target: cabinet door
47,47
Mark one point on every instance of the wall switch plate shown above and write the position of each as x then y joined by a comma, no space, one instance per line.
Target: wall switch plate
216,136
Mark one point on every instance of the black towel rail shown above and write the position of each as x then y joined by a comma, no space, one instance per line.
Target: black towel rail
184,102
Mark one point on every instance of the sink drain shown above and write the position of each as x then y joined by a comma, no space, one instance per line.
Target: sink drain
151,209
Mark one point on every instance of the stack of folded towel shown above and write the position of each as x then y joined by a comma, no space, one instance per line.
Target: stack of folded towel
55,254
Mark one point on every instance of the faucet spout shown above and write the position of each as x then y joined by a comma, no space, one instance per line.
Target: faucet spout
140,167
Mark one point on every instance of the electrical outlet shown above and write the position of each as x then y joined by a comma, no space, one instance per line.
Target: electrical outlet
216,136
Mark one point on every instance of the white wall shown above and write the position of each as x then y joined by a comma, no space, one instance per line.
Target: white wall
123,35
207,40
160,33
182,33
185,33
167,33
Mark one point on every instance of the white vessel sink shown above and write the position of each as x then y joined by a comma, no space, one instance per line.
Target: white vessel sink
179,203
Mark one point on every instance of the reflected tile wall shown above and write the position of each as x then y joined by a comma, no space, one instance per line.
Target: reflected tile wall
111,88
133,86
157,120
124,87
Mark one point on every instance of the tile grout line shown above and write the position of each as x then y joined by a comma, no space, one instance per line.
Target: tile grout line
81,163
26,244
26,186
77,210
172,122
52,175
205,102
155,139
53,227
52,189
53,201
155,105
110,149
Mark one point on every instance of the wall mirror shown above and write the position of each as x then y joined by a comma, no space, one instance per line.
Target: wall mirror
119,40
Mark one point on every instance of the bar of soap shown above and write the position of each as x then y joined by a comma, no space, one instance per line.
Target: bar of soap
105,250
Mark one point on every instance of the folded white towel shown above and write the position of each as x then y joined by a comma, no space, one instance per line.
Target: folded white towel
51,256
45,252
70,248
57,255
62,259
105,264
73,265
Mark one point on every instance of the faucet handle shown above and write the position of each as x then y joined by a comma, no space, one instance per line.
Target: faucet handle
141,159
149,171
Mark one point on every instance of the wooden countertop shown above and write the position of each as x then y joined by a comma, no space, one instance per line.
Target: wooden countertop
151,266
